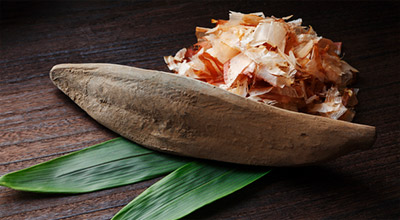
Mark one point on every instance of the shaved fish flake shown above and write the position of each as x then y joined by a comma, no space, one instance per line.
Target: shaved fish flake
273,61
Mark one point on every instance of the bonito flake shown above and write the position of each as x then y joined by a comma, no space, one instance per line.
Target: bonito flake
272,61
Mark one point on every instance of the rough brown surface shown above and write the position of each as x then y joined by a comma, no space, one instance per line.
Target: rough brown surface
187,117
38,122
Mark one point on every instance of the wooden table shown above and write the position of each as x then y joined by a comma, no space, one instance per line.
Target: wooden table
38,122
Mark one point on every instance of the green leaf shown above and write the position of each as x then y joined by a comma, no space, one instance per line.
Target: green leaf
187,189
109,164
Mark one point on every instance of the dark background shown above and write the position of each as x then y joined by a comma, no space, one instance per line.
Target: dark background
38,122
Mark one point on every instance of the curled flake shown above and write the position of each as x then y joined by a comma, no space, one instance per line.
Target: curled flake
272,33
234,67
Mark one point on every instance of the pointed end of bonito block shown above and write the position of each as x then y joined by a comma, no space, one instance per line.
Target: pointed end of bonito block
56,75
62,70
362,137
59,69
72,79
354,137
365,136
55,71
369,135
60,73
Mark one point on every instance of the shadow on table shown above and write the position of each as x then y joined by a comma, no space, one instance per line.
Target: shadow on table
296,192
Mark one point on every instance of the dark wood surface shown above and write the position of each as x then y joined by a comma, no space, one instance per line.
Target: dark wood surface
38,122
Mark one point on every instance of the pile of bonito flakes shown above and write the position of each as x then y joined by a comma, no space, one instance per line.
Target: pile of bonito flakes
273,61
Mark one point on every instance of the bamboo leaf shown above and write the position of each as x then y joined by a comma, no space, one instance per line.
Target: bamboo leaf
109,164
187,189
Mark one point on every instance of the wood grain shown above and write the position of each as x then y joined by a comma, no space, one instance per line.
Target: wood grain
38,122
